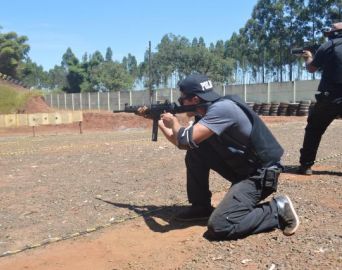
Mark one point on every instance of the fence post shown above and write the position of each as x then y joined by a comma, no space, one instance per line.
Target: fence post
51,101
108,99
119,101
81,107
156,96
130,98
65,99
98,100
268,91
171,95
224,89
72,101
89,101
245,92
58,101
294,91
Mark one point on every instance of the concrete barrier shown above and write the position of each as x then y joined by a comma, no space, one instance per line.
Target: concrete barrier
39,119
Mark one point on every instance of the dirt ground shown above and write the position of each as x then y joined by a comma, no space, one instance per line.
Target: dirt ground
111,193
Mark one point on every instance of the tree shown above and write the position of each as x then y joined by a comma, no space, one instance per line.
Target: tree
109,55
170,57
69,59
13,50
317,14
75,73
294,27
335,12
201,42
32,74
57,78
84,58
130,64
75,78
223,66
237,48
108,76
95,59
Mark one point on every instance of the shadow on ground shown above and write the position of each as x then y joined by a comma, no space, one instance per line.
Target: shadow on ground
291,169
158,218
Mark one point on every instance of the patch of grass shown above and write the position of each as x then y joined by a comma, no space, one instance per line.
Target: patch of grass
12,101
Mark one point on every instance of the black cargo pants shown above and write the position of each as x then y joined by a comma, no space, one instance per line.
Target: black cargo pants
239,214
320,117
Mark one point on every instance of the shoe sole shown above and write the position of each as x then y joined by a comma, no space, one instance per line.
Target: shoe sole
296,217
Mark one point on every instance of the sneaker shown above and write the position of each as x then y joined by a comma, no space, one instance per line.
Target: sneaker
195,213
305,170
288,218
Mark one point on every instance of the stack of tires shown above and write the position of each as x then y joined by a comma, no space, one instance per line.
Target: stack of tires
265,109
257,108
274,109
282,109
303,109
292,109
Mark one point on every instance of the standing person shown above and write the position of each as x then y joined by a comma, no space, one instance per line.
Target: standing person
230,139
328,58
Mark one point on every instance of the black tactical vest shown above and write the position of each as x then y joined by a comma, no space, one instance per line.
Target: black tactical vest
263,149
332,69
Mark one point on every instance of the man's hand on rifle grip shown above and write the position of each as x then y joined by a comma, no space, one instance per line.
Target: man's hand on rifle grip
144,112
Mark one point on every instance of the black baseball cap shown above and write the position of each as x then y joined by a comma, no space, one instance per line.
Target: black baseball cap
198,85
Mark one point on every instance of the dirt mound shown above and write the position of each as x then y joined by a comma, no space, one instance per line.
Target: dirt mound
37,104
108,120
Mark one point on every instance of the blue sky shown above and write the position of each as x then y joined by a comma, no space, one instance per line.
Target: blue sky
125,26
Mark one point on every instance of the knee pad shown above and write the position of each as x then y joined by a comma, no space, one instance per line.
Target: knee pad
184,138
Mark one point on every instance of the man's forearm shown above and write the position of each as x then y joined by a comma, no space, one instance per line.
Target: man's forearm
168,133
175,129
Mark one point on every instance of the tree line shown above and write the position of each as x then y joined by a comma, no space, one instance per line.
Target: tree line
260,51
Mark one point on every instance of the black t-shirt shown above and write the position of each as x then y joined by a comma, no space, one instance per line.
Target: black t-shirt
329,58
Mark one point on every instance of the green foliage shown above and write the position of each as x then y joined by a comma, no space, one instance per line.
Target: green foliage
57,78
69,59
75,73
75,78
108,76
109,54
13,49
96,59
129,63
259,50
176,55
32,75
263,46
12,101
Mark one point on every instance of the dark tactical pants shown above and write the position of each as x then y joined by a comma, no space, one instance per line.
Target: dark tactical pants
239,214
321,116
